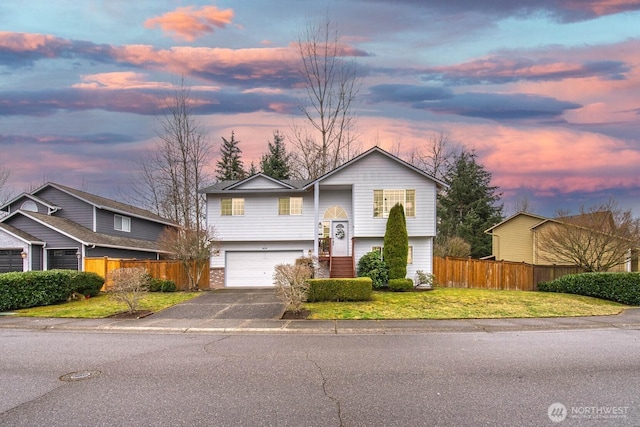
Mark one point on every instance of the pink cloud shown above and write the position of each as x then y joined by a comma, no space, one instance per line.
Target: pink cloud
602,7
552,159
189,23
119,80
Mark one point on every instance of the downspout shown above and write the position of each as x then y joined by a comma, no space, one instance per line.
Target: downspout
316,216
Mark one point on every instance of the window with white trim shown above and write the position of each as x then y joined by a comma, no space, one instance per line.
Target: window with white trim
290,206
122,223
232,207
384,200
409,253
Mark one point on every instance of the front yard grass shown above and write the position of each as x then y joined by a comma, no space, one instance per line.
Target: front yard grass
452,303
103,306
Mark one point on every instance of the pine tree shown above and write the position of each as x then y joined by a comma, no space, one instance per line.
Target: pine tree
230,166
396,243
275,162
470,205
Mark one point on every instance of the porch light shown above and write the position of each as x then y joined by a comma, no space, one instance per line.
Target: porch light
23,254
78,254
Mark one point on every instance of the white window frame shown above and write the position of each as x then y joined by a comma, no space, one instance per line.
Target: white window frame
409,253
237,206
122,223
290,206
385,199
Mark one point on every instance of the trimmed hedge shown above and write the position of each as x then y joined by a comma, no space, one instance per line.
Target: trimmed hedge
37,288
400,285
160,285
358,289
619,287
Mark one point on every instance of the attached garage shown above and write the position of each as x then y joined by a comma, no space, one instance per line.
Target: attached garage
10,260
255,268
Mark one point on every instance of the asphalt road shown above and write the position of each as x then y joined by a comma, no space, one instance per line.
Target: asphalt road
430,379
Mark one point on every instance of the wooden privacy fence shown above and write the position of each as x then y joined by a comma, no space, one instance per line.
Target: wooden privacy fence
477,273
163,269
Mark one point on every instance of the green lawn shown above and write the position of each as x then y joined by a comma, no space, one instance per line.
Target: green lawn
103,306
452,303
440,303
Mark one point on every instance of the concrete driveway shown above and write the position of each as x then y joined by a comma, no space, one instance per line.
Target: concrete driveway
228,304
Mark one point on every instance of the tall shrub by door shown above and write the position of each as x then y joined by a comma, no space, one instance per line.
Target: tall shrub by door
396,243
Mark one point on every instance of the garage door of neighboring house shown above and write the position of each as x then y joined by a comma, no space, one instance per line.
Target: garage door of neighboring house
255,269
64,259
10,260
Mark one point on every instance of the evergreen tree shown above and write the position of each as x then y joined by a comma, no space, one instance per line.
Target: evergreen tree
275,162
469,206
396,243
252,169
230,166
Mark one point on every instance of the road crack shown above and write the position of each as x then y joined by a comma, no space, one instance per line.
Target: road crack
334,399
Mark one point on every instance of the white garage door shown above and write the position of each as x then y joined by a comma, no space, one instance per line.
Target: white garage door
255,269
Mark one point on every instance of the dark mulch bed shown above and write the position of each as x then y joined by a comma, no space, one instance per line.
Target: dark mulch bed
292,315
135,315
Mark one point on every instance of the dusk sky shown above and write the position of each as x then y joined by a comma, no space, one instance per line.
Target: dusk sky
547,92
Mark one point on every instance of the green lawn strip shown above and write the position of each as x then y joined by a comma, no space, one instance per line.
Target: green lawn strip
451,303
103,306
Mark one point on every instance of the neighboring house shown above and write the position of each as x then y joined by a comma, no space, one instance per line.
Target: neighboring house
520,238
57,227
262,221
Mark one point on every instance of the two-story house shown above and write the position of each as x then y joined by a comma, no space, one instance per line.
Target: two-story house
262,221
56,226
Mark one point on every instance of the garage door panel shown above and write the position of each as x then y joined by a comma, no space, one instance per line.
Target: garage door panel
10,260
255,268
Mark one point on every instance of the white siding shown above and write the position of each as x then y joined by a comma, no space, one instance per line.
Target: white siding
261,220
259,183
422,253
377,172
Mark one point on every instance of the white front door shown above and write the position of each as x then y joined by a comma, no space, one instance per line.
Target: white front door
340,238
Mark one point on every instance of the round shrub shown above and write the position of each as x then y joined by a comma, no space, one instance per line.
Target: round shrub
371,265
87,283
160,285
400,285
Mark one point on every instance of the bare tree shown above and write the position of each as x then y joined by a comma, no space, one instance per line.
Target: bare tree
192,247
170,174
435,156
597,239
129,286
332,84
169,178
4,177
522,203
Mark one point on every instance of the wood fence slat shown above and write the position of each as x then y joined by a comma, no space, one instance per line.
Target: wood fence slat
487,274
158,269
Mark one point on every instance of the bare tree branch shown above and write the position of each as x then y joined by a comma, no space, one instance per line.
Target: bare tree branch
332,84
599,238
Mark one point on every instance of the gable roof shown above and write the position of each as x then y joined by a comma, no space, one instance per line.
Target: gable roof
83,235
541,218
107,204
377,149
236,185
19,234
37,199
304,185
